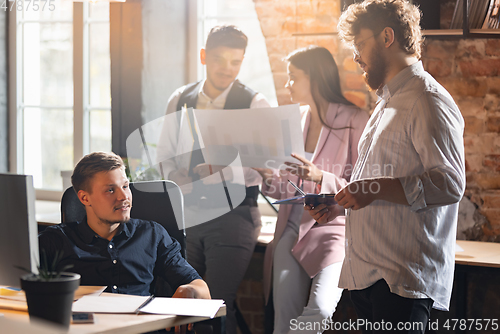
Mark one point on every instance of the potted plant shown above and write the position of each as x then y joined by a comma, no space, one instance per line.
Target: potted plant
50,293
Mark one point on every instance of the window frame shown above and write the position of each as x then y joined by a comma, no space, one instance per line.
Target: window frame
81,90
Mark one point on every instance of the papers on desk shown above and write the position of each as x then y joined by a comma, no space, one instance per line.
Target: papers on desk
159,305
184,306
109,304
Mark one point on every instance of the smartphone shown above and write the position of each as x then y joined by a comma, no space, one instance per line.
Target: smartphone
83,318
317,199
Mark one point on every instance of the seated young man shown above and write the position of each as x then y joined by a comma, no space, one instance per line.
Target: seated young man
108,247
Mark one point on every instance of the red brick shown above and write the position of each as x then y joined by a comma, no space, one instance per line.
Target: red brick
491,200
440,49
493,85
318,24
471,106
489,232
354,81
480,67
493,124
439,68
258,322
493,47
330,8
483,143
473,125
277,63
492,161
474,162
487,181
256,288
470,48
280,45
244,289
290,26
467,87
270,26
350,65
306,8
280,80
358,98
493,216
328,42
252,304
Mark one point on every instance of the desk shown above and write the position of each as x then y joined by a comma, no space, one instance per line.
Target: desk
105,323
476,257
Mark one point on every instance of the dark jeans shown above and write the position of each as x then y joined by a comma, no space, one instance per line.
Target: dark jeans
381,311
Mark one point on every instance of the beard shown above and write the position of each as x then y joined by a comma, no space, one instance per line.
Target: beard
113,222
377,72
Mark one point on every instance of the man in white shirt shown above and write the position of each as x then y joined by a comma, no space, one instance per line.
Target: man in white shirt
402,202
221,249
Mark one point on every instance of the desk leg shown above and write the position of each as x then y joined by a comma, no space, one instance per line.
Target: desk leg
461,281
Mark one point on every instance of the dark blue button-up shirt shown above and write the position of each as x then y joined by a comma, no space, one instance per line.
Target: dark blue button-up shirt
127,264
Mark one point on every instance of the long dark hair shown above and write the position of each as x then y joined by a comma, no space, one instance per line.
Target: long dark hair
318,63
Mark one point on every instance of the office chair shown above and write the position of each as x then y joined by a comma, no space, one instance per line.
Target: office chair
151,200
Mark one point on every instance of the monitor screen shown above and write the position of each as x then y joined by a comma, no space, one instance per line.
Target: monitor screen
18,228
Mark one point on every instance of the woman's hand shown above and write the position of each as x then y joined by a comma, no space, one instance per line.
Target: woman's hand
307,171
324,213
266,173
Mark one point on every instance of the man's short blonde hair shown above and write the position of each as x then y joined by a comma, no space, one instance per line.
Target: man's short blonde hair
400,15
90,165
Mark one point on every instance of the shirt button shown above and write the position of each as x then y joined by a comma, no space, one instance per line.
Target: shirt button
110,246
114,261
115,287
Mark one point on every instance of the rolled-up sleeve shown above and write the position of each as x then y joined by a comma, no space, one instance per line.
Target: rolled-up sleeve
436,128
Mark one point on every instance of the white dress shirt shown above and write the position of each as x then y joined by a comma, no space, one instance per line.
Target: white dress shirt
416,135
167,145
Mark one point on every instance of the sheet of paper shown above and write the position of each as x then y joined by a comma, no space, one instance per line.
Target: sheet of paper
458,249
264,137
184,306
109,304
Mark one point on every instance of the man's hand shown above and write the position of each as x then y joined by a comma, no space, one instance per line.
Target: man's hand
324,213
180,176
307,171
205,170
196,289
359,194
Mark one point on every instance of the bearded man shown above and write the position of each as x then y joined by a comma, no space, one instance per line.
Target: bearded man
402,202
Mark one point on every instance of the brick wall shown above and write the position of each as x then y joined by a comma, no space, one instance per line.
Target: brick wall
469,69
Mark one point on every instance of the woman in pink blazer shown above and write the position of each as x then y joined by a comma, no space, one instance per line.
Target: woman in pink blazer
305,259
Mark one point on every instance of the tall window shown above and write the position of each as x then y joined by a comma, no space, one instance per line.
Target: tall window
255,71
51,131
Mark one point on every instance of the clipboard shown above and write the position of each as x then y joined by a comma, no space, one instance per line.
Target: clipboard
313,199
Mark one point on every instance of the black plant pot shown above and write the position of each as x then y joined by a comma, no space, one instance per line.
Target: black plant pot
51,300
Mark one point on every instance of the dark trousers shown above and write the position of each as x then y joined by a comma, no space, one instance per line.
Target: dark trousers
381,311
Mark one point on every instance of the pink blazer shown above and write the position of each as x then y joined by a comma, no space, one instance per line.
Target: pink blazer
336,152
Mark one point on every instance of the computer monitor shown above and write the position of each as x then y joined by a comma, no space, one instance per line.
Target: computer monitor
18,228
